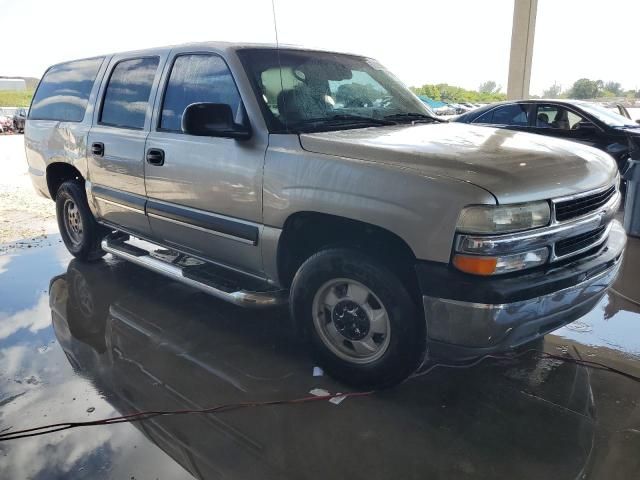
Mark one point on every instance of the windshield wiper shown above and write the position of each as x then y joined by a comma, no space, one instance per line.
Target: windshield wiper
345,119
413,117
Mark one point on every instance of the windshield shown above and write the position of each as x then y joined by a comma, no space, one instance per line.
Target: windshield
303,91
607,116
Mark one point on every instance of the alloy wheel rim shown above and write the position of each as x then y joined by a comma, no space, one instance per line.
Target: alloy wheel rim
351,321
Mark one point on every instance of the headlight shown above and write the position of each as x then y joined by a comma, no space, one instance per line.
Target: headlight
503,218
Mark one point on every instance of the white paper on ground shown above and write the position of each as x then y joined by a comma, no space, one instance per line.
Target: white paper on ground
319,392
337,400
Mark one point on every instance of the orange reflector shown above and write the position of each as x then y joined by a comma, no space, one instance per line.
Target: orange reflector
475,265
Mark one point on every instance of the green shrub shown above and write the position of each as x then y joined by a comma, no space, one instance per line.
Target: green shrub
11,98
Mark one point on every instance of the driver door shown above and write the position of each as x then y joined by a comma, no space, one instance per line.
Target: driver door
559,121
204,193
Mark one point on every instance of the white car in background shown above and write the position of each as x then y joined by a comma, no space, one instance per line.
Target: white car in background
6,124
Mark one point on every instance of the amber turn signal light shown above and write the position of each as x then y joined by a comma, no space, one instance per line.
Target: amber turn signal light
475,265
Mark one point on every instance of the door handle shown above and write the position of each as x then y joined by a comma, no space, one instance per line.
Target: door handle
97,149
155,156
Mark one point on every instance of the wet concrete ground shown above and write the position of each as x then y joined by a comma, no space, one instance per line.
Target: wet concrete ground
80,341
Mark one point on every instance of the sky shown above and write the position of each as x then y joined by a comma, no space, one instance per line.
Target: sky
460,42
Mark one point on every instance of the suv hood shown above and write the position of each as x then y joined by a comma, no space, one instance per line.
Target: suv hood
513,166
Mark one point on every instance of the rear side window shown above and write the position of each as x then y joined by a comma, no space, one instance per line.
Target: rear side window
63,92
197,78
127,95
515,114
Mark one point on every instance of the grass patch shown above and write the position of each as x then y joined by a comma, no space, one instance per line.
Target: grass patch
10,98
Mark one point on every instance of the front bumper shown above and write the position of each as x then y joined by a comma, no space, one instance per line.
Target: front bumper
469,316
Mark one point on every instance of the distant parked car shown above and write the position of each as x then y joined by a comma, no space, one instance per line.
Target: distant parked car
577,120
445,109
18,120
460,108
6,124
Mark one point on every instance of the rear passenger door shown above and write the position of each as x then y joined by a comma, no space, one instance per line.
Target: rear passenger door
117,139
205,195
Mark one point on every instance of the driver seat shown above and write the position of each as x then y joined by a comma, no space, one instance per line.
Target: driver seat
300,103
542,120
562,120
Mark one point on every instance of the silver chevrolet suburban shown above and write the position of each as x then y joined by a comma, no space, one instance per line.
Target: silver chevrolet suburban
266,175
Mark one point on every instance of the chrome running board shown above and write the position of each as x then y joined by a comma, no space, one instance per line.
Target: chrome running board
206,277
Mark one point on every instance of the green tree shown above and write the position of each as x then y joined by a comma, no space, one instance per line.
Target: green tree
451,93
552,92
585,88
430,91
615,88
489,87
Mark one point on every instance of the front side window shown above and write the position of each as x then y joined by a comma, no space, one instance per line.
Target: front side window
63,92
197,78
302,91
515,114
127,95
554,116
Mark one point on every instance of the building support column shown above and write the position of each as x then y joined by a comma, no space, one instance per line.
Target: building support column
522,35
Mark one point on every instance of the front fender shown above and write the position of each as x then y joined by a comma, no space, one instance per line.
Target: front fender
421,210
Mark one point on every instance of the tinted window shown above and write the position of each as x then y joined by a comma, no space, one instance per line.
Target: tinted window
552,116
63,92
127,96
506,115
197,78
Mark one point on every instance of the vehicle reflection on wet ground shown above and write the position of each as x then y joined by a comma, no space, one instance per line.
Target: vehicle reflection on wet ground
86,341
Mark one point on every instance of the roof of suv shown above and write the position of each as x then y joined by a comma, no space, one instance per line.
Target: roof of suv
219,46
232,46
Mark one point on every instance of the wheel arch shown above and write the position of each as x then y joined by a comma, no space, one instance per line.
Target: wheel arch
59,172
306,232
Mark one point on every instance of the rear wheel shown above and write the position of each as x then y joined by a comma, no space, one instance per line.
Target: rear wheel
363,326
80,232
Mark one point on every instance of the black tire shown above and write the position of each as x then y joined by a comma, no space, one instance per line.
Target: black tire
406,331
83,242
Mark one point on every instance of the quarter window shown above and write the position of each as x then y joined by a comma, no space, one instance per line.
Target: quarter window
127,96
515,114
197,78
63,92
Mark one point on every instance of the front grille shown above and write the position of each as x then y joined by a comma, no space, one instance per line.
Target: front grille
579,242
577,207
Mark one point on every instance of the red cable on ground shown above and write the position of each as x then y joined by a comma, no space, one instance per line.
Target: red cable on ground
145,415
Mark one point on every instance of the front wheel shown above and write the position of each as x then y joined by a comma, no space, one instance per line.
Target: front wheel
363,326
80,232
